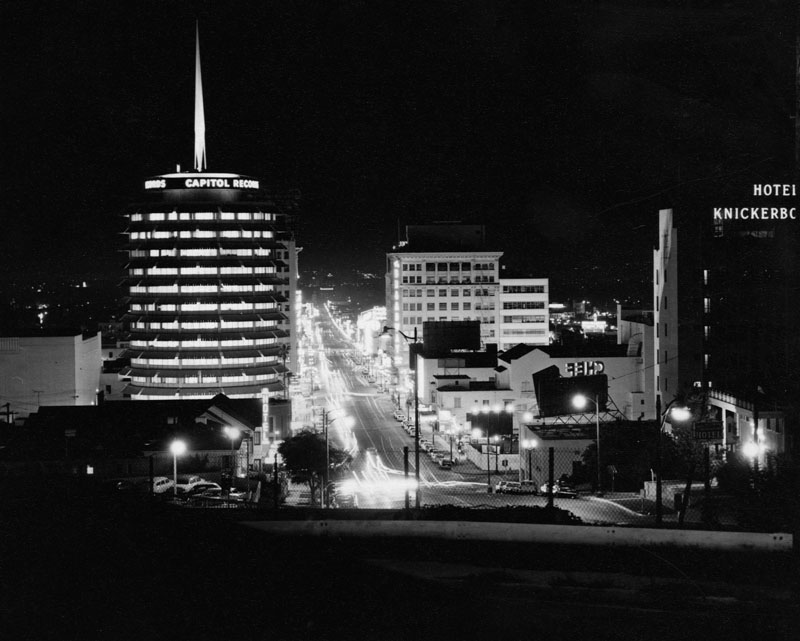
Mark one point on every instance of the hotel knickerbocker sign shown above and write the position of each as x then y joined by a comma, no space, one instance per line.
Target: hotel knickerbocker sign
708,431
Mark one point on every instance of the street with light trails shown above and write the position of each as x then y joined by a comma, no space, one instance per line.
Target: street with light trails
360,420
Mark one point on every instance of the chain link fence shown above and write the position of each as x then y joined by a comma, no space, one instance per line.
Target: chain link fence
558,478
740,496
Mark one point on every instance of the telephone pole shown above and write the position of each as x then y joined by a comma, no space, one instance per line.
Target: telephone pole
9,414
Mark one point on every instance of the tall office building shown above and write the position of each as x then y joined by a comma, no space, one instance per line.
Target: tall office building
724,306
679,358
212,273
445,272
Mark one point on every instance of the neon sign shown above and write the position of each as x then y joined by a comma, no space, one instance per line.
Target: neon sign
202,182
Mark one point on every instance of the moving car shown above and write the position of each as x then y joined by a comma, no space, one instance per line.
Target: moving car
345,500
560,489
516,487
446,464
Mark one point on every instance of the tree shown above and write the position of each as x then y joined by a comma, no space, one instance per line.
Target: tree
631,448
305,456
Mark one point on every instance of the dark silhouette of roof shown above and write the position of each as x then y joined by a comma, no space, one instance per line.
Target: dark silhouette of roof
129,428
518,351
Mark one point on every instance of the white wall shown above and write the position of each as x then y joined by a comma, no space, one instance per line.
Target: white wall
49,370
506,340
626,379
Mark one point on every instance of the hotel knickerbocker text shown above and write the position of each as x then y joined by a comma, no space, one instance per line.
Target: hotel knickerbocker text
771,212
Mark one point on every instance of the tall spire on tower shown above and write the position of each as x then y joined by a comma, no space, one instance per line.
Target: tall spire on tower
199,113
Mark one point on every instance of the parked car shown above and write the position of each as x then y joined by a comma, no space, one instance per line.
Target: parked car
528,487
200,488
161,484
188,482
219,495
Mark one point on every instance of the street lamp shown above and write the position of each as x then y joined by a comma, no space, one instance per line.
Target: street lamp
177,447
349,422
579,401
678,414
751,449
413,340
530,444
496,439
476,434
232,433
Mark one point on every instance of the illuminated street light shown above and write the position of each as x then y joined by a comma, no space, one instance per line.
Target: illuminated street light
530,444
496,439
680,414
677,414
410,340
177,447
579,401
232,433
751,449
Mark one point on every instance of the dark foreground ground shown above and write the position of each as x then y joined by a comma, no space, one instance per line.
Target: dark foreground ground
75,567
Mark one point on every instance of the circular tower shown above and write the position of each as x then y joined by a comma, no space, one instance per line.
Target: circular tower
210,272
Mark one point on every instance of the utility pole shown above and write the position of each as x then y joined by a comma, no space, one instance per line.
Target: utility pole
9,414
412,352
322,494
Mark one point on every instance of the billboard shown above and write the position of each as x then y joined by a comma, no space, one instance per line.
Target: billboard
555,393
493,423
443,336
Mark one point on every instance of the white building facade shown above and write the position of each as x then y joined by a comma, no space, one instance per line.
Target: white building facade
459,286
523,312
38,370
211,280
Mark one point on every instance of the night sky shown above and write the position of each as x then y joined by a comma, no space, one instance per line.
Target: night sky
564,126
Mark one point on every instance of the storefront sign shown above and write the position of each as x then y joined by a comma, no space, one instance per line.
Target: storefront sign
584,368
